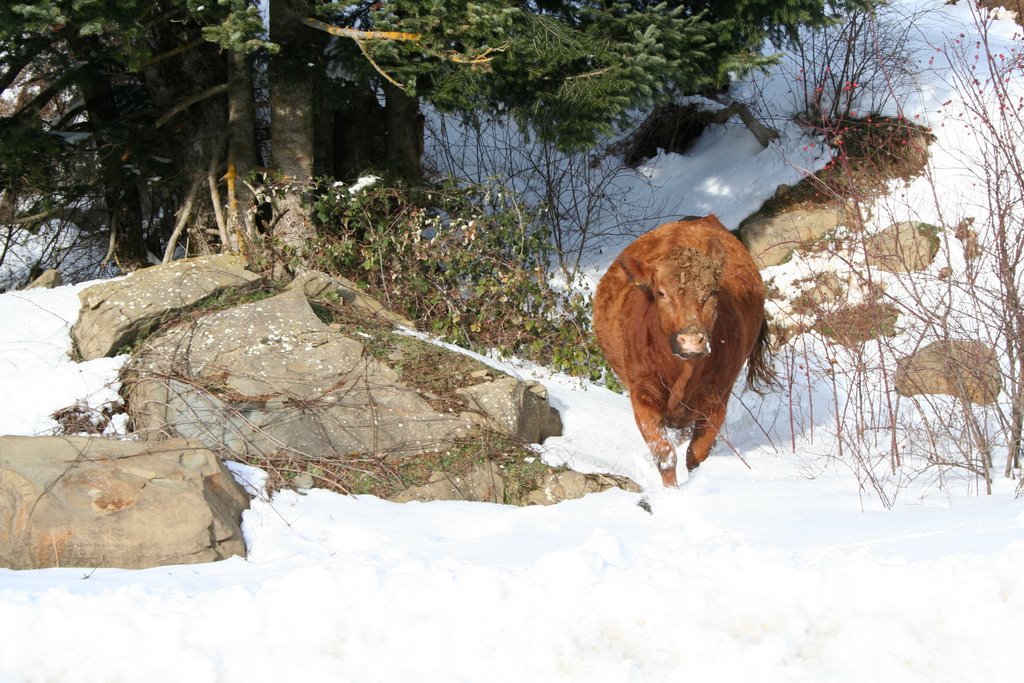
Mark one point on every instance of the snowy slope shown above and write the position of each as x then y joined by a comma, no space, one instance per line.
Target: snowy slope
774,562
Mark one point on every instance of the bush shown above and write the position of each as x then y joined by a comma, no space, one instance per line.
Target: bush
468,263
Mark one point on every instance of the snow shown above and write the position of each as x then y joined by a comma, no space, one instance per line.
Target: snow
776,561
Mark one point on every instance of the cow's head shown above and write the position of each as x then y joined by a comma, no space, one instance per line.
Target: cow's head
683,288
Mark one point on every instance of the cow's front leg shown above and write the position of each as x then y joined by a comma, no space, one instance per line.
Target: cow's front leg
705,431
652,426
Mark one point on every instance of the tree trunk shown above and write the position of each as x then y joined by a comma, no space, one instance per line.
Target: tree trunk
359,133
242,157
291,127
194,137
120,186
404,146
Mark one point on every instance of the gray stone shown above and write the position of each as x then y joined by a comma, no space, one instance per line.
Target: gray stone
515,407
827,290
92,502
483,483
569,485
315,284
905,247
486,483
48,280
962,368
771,239
269,378
303,481
115,313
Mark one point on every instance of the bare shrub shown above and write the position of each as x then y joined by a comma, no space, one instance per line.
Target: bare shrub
971,292
984,295
860,64
582,199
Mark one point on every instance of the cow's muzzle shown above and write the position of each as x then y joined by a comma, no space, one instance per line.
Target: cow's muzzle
690,342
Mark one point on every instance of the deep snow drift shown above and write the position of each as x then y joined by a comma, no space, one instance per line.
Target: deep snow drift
772,563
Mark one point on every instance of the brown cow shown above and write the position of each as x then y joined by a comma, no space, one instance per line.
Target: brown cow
677,315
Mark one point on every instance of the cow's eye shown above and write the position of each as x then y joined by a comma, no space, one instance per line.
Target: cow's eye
662,294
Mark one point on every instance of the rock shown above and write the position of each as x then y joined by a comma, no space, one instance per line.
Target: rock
515,407
315,284
569,485
487,483
268,379
48,280
90,502
483,483
268,376
115,313
962,368
771,239
905,247
303,481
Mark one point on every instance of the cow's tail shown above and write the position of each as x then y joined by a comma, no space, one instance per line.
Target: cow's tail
760,366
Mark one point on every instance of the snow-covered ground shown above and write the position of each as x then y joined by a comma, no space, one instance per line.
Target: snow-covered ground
772,563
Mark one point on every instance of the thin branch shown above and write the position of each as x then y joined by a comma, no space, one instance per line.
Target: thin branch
377,68
186,211
189,101
181,49
488,55
24,220
218,212
576,77
112,242
358,35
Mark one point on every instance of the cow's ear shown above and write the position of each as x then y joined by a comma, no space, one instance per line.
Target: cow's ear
637,271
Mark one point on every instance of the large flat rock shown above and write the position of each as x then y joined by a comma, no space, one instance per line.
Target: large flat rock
115,313
76,501
269,376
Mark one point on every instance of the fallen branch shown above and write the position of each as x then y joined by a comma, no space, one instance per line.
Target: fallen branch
763,133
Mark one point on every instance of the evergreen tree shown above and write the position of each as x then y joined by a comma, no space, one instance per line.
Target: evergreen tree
139,118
